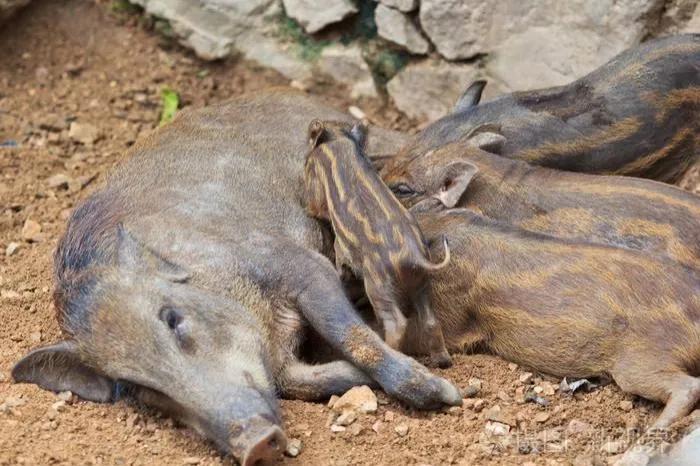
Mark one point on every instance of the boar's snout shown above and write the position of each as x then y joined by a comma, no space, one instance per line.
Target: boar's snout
257,441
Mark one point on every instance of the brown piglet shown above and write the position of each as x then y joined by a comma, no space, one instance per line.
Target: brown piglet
375,236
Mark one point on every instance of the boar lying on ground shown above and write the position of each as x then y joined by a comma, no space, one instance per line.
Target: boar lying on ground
619,211
375,236
637,115
195,273
569,308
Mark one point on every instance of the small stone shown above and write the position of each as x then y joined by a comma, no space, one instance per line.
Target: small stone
336,428
454,410
613,447
11,249
497,415
332,401
479,405
547,388
356,112
356,429
132,420
31,231
541,417
294,447
389,416
361,399
65,396
512,367
577,426
377,426
35,337
346,418
59,406
626,405
59,181
398,28
83,133
191,460
503,396
401,430
474,382
496,428
469,391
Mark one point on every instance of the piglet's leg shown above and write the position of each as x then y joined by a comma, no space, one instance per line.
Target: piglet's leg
388,314
309,382
319,295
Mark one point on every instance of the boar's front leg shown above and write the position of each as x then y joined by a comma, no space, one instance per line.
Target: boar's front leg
320,297
301,381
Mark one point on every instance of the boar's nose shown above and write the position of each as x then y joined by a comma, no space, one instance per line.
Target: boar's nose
259,443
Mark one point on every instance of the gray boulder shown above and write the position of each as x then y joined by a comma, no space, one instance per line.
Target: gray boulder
398,28
314,15
401,5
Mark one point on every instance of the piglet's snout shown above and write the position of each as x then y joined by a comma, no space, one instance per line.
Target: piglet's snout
258,442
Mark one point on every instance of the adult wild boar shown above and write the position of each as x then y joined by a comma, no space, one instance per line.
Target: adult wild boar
637,115
618,211
195,273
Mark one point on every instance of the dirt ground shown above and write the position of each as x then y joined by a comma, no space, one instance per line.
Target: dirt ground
65,61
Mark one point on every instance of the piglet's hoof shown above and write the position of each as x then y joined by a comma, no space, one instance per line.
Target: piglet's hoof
440,360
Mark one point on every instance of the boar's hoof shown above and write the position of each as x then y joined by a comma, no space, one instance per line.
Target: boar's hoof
441,360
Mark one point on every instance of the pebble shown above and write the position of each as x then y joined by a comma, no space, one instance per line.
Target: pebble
191,460
294,447
31,231
626,405
479,405
59,406
356,112
496,428
512,367
469,391
361,399
65,396
541,417
356,429
336,428
346,418
577,426
497,415
377,426
613,447
11,249
547,388
454,410
389,416
474,382
83,133
58,181
401,430
525,377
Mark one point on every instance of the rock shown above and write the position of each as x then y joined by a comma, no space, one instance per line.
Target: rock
191,460
377,426
31,231
577,426
389,416
547,388
454,410
470,391
8,8
694,24
401,430
401,5
313,17
512,366
503,396
496,428
356,429
361,399
11,249
478,405
336,428
637,456
428,90
497,415
59,406
356,112
58,181
294,447
474,382
398,28
84,133
541,417
346,65
345,419
458,28
332,400
626,405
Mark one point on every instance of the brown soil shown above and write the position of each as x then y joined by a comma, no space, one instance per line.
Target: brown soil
63,61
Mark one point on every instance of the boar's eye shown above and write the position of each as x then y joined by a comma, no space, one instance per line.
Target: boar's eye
175,320
402,190
171,316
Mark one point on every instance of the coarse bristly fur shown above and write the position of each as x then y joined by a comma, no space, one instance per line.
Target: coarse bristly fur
375,236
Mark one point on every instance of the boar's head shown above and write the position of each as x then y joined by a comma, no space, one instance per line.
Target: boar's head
134,319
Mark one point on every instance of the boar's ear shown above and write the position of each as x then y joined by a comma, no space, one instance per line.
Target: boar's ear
455,178
487,137
136,256
315,133
58,368
471,97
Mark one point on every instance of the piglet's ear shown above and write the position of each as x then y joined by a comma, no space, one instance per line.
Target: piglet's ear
471,97
359,131
58,368
455,179
315,133
134,255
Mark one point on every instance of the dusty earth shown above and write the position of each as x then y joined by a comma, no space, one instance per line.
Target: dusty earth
77,61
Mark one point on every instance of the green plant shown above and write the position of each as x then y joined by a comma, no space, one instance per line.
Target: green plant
307,48
124,7
169,101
